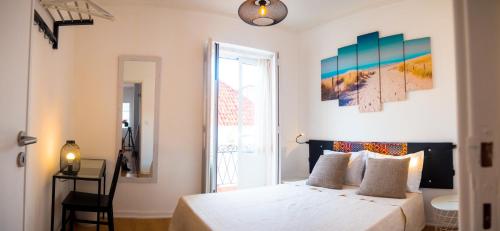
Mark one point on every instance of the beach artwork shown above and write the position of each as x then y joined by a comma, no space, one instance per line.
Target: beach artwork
418,64
392,63
368,73
377,70
348,75
329,89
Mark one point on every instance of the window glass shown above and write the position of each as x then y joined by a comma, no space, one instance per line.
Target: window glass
125,113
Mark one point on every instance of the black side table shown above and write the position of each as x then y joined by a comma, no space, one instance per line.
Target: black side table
90,170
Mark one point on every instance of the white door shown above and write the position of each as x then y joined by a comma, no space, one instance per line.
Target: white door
478,57
15,22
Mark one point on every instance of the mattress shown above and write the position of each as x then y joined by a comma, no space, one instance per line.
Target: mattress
296,206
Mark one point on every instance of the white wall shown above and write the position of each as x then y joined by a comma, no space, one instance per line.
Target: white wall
429,115
50,104
178,37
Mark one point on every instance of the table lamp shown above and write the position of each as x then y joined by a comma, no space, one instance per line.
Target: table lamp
70,158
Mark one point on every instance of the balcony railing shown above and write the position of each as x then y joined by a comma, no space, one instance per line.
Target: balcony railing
227,166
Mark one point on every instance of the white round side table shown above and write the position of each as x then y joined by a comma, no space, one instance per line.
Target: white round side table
445,209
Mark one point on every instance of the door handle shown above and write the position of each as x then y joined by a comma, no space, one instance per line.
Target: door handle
23,139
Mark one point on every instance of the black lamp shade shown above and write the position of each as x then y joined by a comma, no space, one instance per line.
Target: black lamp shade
276,12
70,158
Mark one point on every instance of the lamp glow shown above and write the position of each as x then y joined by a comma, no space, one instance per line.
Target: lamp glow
70,157
263,10
413,162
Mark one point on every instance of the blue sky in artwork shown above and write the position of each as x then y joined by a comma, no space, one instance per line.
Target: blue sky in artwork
371,51
329,67
391,49
368,52
417,47
347,59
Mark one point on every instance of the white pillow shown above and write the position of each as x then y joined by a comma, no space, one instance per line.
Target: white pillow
355,168
414,171
329,152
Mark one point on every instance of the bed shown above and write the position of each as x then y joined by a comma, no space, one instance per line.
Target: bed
297,206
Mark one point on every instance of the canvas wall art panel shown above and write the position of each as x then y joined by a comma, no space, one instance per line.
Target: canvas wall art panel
377,70
329,89
347,79
418,64
368,73
392,72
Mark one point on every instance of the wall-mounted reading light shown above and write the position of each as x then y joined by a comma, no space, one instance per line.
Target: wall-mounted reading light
300,142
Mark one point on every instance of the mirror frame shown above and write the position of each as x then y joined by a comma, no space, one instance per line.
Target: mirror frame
121,61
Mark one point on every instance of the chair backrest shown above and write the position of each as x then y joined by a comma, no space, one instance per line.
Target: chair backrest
116,174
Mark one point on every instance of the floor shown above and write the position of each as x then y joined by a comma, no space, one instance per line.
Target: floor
133,163
129,224
226,188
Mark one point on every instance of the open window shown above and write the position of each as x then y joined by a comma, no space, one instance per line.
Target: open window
241,149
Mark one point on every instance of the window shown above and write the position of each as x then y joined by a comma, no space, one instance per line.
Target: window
125,113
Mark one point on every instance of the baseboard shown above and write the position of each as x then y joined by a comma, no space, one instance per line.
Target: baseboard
141,214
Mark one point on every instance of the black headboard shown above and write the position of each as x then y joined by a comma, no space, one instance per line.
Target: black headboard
438,169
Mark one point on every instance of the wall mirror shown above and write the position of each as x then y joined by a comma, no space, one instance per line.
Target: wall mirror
138,109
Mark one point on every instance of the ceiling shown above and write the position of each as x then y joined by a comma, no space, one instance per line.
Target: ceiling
302,14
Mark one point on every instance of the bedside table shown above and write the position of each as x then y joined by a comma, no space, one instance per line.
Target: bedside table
445,210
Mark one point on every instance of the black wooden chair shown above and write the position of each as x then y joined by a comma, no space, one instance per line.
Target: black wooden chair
89,202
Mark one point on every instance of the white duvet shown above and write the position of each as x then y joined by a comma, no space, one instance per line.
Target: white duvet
297,206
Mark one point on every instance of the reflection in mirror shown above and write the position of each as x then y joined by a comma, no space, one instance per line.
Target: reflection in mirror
139,77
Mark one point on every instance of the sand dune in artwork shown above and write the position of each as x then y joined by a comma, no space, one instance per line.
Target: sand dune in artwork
328,89
392,83
369,90
418,73
347,86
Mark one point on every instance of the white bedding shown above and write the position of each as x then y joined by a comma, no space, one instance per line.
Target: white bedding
296,206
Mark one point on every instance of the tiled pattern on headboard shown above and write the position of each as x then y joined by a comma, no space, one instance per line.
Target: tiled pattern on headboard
393,149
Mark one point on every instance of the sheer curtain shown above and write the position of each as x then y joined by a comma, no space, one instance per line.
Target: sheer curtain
257,161
264,121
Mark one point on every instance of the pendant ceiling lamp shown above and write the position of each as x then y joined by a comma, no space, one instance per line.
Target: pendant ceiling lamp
263,12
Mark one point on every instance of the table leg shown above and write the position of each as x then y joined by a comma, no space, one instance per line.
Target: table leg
98,204
104,191
72,217
74,184
104,188
52,208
